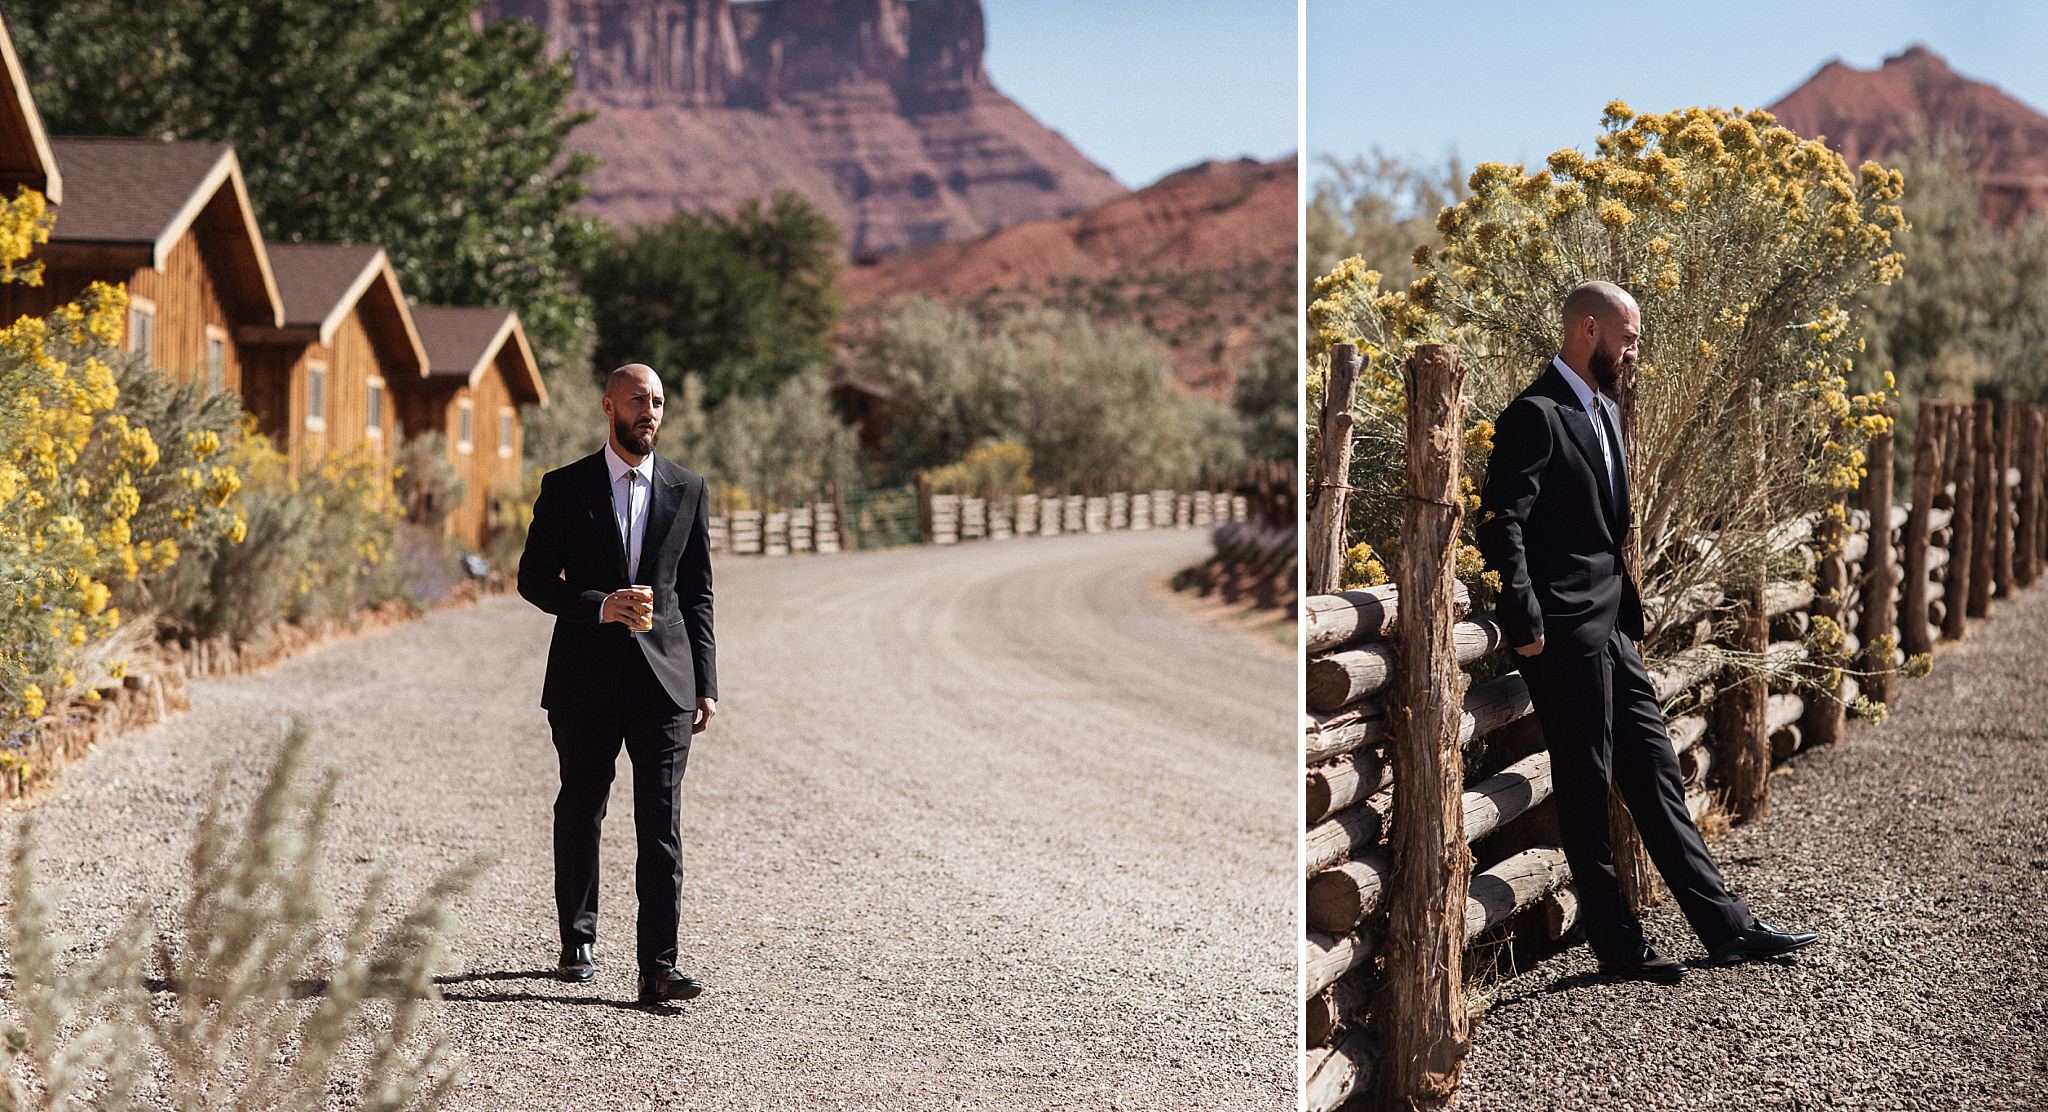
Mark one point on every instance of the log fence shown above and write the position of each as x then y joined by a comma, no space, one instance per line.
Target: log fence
1407,686
950,519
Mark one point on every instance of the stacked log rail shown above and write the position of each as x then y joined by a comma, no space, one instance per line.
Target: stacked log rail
1896,581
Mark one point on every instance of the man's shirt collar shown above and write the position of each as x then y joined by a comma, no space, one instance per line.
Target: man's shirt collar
618,467
1579,388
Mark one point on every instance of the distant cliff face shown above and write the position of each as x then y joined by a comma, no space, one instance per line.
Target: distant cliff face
1883,113
879,111
1202,259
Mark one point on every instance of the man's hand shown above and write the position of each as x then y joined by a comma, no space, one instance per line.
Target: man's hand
1530,649
627,605
707,709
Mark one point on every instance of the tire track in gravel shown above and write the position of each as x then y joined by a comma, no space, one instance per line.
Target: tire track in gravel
987,827
1919,849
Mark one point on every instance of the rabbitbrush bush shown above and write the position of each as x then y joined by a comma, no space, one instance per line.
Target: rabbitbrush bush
95,490
233,1008
1746,248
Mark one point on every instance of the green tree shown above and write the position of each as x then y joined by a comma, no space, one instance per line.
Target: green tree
744,302
393,122
1267,395
1093,406
1379,208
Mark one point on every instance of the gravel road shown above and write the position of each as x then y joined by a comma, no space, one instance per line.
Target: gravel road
995,827
1919,850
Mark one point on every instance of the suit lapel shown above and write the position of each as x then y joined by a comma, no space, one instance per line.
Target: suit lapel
666,500
597,492
1621,505
1579,425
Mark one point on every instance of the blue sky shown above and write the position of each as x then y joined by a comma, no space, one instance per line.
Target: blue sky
1146,87
1514,81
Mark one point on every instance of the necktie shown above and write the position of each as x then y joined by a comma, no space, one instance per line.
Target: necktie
1618,483
626,528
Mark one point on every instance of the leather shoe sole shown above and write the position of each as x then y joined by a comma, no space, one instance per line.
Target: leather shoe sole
578,964
1662,973
1760,942
668,987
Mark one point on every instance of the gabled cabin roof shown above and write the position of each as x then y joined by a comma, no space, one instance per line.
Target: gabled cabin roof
24,146
128,197
462,342
321,283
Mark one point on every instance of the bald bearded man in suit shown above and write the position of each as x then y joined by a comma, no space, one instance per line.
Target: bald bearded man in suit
627,664
1554,524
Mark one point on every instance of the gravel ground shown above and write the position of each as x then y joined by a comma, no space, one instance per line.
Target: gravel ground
995,827
1918,849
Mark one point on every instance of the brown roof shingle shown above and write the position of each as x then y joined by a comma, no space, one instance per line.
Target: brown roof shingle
457,337
128,190
312,278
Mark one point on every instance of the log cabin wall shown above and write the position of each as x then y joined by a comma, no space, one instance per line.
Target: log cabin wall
280,394
190,315
183,299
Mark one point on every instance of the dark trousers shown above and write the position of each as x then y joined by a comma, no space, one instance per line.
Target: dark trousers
656,734
1601,720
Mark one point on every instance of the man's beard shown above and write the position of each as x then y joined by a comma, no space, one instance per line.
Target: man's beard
632,440
1610,371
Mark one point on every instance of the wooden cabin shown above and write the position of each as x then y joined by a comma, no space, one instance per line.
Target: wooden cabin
172,222
25,155
325,382
479,372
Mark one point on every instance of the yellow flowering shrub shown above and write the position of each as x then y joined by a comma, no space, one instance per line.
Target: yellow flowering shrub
1747,249
305,547
90,502
991,469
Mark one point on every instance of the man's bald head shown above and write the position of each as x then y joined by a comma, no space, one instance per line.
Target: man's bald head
629,376
633,403
1603,300
1602,331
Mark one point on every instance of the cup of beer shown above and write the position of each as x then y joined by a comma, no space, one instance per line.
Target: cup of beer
647,623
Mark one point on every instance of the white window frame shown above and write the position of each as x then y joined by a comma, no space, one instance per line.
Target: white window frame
216,372
373,421
142,308
507,420
465,426
316,391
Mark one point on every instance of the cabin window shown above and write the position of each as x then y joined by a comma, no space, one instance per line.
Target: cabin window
216,360
316,395
465,416
505,430
142,326
373,425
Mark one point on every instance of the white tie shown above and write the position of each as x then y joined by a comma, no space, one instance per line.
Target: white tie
630,524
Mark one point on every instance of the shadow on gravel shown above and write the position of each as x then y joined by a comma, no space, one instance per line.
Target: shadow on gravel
502,997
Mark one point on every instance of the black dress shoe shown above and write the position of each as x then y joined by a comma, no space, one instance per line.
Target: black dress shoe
1646,964
579,963
1761,940
668,984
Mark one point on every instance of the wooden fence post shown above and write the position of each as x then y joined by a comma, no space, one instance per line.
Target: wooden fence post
1822,721
1332,490
1880,575
2029,500
2002,517
1737,714
1962,527
2036,433
1427,1028
1914,636
1982,519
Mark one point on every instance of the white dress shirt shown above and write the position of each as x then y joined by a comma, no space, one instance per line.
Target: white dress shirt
1587,400
630,488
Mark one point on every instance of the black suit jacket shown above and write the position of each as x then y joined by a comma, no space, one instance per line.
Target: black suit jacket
1546,525
574,558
